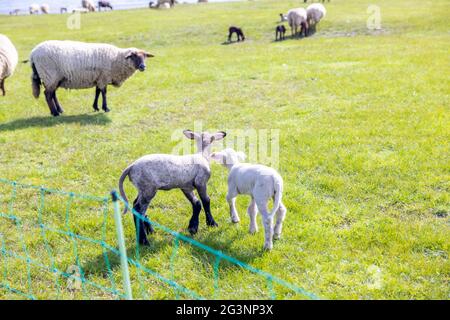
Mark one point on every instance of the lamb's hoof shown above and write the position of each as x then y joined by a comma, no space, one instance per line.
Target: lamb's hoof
96,109
268,247
276,236
55,114
144,242
253,231
60,111
193,230
106,109
212,224
235,220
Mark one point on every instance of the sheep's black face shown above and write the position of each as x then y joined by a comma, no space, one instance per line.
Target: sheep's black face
138,59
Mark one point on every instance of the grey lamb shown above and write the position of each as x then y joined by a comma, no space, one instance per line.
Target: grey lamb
165,172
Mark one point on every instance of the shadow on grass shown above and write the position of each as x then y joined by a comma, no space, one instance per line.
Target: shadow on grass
49,121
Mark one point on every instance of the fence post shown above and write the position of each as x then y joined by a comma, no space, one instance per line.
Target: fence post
122,249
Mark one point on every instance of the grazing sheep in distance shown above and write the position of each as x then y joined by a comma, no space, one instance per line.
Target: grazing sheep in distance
80,65
104,4
261,183
315,12
298,18
280,32
63,10
8,60
165,172
88,4
45,8
34,8
15,12
239,33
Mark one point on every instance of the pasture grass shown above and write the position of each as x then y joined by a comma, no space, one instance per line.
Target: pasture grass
363,119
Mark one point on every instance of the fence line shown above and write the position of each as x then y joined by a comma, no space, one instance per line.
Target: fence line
82,280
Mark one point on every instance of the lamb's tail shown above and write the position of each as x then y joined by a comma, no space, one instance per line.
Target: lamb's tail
35,82
125,173
278,189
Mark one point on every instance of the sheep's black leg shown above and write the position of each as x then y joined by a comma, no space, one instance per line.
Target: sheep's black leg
196,208
50,102
97,93
143,227
104,105
229,36
2,86
206,205
56,102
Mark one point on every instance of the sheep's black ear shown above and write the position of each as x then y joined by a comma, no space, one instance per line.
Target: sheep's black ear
189,134
148,55
130,54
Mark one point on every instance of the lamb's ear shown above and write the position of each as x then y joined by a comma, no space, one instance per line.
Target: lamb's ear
190,134
241,156
219,135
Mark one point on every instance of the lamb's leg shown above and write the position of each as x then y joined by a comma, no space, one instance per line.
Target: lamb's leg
97,93
196,208
2,86
143,226
57,105
104,105
281,214
50,102
268,223
229,36
231,199
252,212
202,192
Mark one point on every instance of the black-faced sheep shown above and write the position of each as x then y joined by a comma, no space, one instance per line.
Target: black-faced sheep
8,60
239,33
104,4
80,65
165,172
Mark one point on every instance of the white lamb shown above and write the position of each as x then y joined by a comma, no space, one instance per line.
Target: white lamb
297,18
315,13
8,60
80,65
34,8
261,183
88,4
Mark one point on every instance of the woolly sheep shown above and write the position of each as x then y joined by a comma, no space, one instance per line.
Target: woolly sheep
8,60
165,172
88,4
298,18
34,8
315,12
261,183
45,8
80,65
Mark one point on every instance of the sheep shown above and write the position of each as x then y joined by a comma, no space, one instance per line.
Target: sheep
261,183
283,17
315,12
239,33
87,4
34,8
104,4
165,172
15,12
8,60
63,10
80,65
280,32
298,18
45,8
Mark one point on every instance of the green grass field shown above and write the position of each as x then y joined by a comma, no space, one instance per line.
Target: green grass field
364,146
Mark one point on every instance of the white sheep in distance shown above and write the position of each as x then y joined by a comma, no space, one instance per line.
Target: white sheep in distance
165,172
88,4
8,60
261,183
45,8
315,12
34,8
80,65
297,18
